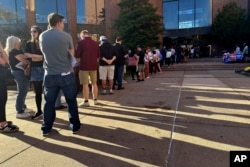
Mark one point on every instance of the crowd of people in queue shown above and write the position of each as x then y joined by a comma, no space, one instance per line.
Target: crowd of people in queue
48,62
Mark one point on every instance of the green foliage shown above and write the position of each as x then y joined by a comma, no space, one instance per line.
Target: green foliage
138,24
230,26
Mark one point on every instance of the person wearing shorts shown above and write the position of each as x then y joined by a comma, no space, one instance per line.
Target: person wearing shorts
106,65
88,51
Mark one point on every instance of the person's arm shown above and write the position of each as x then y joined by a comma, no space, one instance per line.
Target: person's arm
22,58
34,57
3,56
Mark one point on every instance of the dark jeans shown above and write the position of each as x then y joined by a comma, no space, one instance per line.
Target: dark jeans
3,100
22,83
118,75
52,85
133,71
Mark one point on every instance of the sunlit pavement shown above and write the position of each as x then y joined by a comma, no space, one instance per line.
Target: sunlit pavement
191,115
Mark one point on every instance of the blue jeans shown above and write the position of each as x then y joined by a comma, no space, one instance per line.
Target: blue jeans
52,85
22,83
58,99
118,75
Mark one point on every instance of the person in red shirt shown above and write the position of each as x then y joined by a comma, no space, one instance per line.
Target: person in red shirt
88,51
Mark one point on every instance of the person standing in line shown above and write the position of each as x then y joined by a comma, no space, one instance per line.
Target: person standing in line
245,52
33,51
5,126
121,56
132,63
106,65
146,61
57,48
88,51
141,67
17,62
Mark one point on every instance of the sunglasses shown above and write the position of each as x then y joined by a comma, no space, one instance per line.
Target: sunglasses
33,31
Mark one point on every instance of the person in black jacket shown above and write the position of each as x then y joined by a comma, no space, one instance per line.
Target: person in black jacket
106,64
121,56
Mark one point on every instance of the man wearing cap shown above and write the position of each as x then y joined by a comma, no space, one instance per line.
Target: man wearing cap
106,64
88,51
57,48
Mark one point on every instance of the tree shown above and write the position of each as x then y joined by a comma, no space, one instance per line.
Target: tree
230,26
138,24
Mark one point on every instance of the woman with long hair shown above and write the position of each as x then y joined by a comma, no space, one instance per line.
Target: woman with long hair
18,62
32,50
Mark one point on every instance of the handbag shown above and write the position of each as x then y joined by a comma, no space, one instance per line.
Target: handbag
27,69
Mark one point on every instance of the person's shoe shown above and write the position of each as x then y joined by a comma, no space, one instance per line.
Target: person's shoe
84,103
111,92
37,115
23,115
124,81
104,92
76,131
61,107
8,128
95,102
45,133
120,88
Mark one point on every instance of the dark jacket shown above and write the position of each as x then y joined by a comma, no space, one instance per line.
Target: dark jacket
107,51
119,53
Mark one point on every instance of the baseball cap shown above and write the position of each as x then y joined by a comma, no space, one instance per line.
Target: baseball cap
102,38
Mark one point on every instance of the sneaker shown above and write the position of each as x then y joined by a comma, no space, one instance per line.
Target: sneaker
37,115
23,115
104,92
84,103
76,131
111,92
120,88
8,128
95,102
28,110
45,133
124,81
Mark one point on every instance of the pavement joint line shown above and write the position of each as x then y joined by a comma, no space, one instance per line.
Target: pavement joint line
174,121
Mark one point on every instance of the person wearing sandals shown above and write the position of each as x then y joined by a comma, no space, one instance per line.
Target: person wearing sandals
32,50
18,61
5,126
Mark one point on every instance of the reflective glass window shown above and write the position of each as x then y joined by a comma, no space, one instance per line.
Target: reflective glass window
80,12
170,15
15,7
45,7
203,13
186,14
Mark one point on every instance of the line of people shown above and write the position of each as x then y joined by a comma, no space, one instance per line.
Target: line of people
51,56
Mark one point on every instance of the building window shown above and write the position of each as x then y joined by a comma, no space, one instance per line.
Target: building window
45,7
17,7
186,14
80,12
170,15
183,14
203,15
